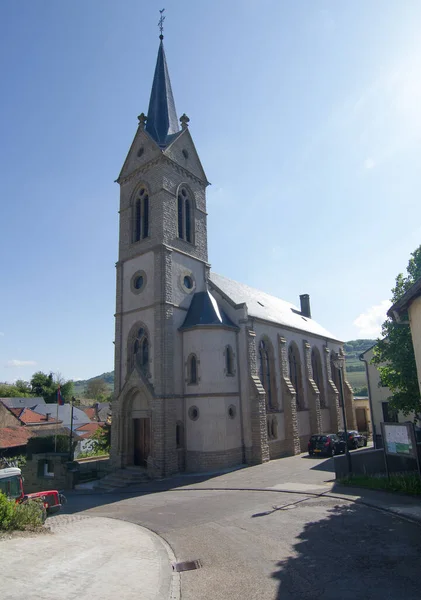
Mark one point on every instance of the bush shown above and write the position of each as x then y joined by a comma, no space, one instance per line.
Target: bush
28,515
7,509
46,444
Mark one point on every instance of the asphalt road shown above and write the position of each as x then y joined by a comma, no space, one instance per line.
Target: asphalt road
258,543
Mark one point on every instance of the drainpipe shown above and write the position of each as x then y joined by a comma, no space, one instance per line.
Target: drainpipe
370,400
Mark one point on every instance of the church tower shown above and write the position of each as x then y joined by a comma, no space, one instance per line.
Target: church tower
162,263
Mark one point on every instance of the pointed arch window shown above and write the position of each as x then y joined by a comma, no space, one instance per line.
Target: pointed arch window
335,379
316,365
295,375
141,216
192,369
266,372
184,216
141,349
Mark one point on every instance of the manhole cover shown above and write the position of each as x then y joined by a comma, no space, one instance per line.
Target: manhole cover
188,565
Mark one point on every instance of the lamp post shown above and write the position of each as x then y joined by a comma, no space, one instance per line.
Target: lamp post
338,362
71,430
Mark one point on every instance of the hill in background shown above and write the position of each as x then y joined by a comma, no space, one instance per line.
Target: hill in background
354,367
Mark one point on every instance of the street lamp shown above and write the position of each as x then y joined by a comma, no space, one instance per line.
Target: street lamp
338,362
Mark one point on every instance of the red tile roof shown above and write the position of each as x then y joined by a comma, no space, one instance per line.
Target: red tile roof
29,417
12,437
88,429
90,412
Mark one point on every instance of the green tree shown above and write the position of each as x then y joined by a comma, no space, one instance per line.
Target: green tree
97,389
394,353
46,387
101,439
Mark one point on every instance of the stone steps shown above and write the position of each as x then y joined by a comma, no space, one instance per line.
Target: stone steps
122,478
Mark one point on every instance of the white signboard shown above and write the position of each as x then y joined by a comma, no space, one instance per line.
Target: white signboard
398,439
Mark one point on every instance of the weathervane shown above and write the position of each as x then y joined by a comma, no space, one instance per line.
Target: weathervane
161,23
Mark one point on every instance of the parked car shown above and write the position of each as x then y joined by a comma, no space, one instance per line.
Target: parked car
355,439
328,444
11,484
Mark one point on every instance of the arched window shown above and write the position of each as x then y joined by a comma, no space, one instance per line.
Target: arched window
266,372
185,217
141,216
141,349
295,374
229,361
316,364
192,369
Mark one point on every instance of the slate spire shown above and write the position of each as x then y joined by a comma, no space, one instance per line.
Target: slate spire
162,117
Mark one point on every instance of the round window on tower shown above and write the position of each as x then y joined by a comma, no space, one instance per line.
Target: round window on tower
187,282
138,282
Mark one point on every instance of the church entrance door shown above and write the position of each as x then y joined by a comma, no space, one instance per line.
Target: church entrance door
141,441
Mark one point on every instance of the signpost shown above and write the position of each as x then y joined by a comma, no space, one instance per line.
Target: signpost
399,440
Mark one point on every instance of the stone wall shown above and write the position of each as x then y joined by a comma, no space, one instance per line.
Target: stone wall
58,476
205,462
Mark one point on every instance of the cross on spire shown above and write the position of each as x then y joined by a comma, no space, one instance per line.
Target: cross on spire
161,23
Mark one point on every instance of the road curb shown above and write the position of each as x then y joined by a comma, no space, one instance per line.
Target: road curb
175,586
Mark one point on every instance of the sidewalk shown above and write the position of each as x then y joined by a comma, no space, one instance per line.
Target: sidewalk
88,558
408,507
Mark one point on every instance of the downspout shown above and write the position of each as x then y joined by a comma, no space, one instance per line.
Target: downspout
237,345
370,401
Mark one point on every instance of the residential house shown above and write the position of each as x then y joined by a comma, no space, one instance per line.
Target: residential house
379,397
407,311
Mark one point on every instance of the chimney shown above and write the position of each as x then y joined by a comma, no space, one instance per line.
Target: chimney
305,305
47,416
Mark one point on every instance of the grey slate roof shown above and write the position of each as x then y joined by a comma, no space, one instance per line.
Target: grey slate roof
162,120
204,311
79,417
263,306
22,402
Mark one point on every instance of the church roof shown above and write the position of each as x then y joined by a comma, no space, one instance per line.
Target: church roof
204,311
162,121
266,307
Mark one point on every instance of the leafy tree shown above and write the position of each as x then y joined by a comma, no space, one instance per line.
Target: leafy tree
46,386
97,389
102,439
394,354
9,391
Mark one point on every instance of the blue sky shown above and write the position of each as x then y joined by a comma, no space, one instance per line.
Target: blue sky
307,119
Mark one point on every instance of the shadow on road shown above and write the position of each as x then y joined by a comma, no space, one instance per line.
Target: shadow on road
353,553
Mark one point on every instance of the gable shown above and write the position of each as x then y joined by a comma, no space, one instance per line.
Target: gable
183,152
142,151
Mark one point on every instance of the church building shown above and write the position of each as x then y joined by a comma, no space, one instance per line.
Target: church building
209,373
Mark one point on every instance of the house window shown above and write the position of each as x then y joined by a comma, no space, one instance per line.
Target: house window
389,415
185,217
141,216
316,364
229,361
295,374
192,369
266,372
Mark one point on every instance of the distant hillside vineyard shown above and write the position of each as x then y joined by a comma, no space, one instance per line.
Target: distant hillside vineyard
354,367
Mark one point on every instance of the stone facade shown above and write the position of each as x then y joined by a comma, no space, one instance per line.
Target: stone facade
218,392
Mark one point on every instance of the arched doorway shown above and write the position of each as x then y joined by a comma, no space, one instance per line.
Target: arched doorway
139,440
